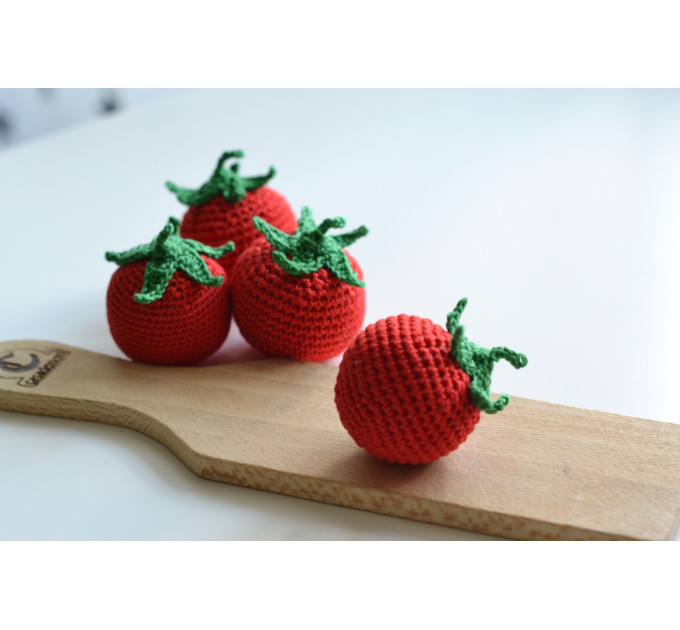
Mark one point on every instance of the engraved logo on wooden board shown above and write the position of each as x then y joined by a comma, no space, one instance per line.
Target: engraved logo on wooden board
30,367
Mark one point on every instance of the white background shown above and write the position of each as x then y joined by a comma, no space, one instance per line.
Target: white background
555,212
30,113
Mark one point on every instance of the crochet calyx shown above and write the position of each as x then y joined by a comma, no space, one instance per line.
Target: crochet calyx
311,248
226,182
478,362
166,254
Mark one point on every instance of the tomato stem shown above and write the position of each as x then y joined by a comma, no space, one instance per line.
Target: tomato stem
311,248
166,254
226,182
478,362
223,158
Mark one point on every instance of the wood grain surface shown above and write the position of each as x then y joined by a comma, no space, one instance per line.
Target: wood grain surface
535,471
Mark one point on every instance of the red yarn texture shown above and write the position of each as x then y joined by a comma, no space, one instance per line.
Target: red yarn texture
399,393
218,221
313,317
185,326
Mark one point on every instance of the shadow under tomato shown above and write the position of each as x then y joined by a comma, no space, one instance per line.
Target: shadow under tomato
235,349
361,467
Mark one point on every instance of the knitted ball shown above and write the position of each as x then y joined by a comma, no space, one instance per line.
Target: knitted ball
399,393
184,327
312,317
218,221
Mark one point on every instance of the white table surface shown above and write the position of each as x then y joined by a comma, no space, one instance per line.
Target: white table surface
555,212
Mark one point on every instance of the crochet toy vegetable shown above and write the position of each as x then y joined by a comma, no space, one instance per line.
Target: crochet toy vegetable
168,302
409,392
300,296
223,208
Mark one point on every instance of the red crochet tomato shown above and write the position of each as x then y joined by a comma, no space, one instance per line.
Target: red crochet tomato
410,392
299,296
168,302
223,208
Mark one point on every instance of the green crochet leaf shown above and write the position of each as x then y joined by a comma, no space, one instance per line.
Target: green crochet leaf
226,182
478,362
166,254
311,248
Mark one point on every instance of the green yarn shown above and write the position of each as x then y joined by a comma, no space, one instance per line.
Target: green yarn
227,182
310,248
168,253
478,362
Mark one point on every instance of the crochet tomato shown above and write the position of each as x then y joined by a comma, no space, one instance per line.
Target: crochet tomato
168,302
299,296
223,208
410,392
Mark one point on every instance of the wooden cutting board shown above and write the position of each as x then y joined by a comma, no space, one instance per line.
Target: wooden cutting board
534,471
